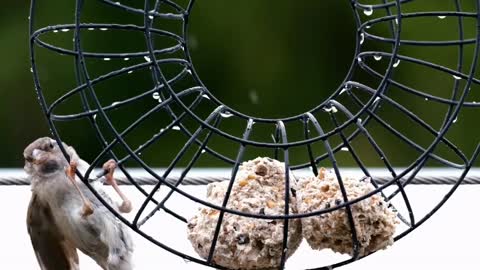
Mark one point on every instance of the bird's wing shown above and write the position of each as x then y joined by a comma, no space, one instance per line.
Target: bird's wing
52,250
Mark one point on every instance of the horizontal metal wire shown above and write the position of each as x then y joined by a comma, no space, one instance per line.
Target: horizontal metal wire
17,177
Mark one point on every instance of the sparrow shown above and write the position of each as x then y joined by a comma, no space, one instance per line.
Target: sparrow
64,215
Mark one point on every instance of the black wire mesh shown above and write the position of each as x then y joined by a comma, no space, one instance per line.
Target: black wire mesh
333,128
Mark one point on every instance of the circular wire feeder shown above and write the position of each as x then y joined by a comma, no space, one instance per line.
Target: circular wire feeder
345,126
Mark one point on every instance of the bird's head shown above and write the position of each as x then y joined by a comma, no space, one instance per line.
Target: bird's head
43,157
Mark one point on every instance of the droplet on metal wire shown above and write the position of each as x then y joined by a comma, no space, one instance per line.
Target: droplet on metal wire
377,57
457,77
442,17
175,128
226,114
368,11
396,63
156,95
147,58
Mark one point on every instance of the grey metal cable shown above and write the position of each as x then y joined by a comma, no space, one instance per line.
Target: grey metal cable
20,179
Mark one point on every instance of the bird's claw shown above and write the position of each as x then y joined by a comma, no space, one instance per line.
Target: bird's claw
125,207
87,210
71,169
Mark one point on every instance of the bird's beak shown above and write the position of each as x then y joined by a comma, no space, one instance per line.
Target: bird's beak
37,157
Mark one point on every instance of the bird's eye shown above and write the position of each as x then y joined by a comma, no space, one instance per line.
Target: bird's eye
29,159
51,145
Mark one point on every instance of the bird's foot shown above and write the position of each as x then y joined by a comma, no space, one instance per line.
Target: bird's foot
109,167
87,208
71,169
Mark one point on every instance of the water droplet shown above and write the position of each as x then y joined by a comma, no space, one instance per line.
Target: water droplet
332,109
474,102
345,89
156,95
442,17
226,114
95,117
189,71
396,63
175,128
65,30
150,17
359,59
203,151
273,138
253,96
359,120
455,120
147,58
457,77
126,59
368,26
376,99
426,99
377,57
103,29
107,59
55,31
130,72
115,103
91,29
368,11
118,3
396,21
31,70
362,38
205,96
344,149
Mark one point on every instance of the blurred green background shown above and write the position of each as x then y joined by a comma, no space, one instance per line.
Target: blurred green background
264,58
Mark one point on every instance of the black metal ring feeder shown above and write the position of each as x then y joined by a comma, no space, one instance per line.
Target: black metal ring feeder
335,124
